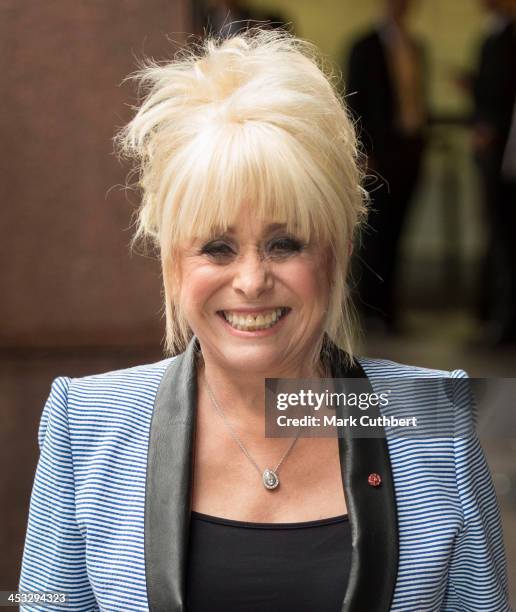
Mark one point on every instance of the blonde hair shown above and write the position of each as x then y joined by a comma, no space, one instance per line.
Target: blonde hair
250,118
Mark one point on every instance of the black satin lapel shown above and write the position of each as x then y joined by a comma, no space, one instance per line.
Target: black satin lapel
372,510
169,484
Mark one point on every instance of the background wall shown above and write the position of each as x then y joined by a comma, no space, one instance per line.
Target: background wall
73,299
66,220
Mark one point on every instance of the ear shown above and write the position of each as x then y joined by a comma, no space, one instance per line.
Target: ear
350,248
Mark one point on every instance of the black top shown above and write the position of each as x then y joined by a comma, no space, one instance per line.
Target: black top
236,566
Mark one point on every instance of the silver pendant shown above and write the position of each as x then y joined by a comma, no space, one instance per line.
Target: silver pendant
270,479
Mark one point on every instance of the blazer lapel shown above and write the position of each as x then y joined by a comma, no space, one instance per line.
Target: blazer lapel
372,509
168,496
168,493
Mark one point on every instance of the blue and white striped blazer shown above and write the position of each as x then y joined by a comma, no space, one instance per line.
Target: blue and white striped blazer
109,510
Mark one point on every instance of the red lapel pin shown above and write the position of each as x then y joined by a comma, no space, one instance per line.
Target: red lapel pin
375,480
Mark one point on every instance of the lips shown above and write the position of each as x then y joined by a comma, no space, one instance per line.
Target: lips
256,320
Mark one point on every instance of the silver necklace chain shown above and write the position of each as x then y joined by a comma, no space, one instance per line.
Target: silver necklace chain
269,476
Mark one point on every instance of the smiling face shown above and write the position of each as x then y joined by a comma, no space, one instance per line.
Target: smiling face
255,296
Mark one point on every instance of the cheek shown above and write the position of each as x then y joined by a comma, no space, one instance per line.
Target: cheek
200,282
309,280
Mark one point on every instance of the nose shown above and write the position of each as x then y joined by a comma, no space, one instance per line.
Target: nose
252,276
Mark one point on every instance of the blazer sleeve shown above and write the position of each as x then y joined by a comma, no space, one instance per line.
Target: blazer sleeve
54,552
477,570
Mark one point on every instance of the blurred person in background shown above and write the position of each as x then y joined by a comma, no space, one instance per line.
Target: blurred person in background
494,91
225,18
509,156
385,90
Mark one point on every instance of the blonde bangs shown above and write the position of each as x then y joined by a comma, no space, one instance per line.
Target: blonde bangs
252,164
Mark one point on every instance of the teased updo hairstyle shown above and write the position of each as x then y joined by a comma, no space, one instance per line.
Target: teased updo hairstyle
254,118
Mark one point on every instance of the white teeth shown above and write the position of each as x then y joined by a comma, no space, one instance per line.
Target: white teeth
251,323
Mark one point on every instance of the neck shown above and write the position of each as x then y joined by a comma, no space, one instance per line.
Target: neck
242,395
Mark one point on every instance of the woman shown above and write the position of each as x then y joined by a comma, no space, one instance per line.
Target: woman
156,488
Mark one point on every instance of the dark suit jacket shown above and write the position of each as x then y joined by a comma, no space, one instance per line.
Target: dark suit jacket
370,93
495,83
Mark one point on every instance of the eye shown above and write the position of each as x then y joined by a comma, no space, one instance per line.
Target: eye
218,250
285,246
